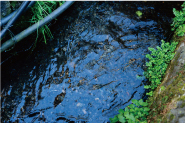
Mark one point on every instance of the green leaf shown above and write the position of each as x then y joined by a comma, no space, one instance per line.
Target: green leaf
147,87
150,93
162,88
131,118
148,56
139,13
134,101
140,102
126,109
121,111
126,114
114,120
146,109
121,118
158,48
131,106
151,49
143,103
139,114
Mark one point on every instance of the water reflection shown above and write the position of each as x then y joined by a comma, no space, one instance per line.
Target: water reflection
89,74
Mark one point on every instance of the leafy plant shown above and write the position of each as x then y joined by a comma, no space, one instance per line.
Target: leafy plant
13,3
179,21
157,65
40,10
139,13
162,88
133,113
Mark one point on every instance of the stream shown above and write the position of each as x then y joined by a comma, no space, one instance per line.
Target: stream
93,67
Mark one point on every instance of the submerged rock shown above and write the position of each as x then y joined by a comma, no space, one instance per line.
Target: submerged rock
59,98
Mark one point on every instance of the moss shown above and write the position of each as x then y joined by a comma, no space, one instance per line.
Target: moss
163,101
182,99
178,39
171,117
160,103
175,63
175,88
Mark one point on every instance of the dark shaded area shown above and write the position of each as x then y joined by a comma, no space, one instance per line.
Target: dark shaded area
5,8
90,69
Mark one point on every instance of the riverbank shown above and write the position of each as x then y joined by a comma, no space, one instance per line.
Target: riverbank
168,102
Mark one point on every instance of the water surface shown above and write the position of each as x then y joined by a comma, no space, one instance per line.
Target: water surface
89,70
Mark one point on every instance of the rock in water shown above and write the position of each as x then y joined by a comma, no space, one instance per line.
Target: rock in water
59,98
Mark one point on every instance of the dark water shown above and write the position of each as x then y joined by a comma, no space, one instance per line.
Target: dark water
90,69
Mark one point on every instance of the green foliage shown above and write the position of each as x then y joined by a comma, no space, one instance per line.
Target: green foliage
162,88
159,59
139,13
133,113
158,63
179,21
40,10
13,3
61,3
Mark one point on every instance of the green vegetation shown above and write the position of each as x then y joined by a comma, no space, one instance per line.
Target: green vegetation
40,10
179,21
161,103
133,113
13,4
158,63
139,13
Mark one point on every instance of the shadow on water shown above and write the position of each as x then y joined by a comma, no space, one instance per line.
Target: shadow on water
90,69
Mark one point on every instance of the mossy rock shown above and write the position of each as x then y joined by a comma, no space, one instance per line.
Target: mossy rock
168,102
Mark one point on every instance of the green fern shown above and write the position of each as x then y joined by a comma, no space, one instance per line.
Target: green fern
179,21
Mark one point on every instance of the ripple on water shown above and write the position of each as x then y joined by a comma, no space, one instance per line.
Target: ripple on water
91,73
